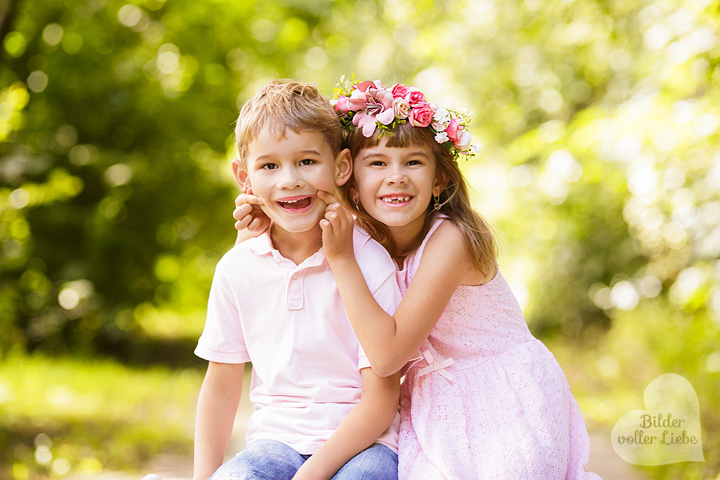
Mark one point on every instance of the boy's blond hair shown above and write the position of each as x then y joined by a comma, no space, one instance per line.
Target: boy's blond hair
283,104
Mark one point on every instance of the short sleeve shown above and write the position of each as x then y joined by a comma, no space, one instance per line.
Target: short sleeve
222,340
379,271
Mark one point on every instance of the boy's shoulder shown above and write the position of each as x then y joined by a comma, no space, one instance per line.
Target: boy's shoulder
237,258
373,259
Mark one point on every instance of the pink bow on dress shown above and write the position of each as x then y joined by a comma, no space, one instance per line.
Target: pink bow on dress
436,367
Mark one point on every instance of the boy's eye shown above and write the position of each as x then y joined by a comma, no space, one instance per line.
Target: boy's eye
307,161
378,163
269,166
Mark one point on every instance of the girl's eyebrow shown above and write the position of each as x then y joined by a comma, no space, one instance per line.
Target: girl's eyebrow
373,154
417,153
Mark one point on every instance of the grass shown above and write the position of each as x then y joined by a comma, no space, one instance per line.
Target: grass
67,415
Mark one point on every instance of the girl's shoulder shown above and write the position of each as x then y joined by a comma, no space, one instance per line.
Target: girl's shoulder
447,244
446,240
445,234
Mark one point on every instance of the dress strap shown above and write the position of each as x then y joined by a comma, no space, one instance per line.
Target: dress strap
412,262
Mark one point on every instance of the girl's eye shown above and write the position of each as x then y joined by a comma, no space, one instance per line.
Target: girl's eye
414,162
307,161
377,163
269,166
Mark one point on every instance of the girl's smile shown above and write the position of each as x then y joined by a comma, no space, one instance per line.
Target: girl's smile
396,200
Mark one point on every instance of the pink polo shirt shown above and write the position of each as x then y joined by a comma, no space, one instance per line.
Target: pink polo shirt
289,321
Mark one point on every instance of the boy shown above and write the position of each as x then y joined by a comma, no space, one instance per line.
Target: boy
274,302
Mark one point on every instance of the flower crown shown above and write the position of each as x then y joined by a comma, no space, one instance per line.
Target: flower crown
367,105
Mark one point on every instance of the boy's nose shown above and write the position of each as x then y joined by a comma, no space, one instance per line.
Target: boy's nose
289,179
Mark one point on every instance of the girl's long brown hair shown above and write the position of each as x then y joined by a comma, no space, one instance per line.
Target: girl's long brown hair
454,198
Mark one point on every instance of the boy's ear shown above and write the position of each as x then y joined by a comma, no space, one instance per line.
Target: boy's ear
343,167
240,174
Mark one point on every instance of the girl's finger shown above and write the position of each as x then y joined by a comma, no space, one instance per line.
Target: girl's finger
337,210
326,228
342,212
326,197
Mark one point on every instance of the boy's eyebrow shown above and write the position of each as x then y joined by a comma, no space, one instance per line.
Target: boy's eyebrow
310,151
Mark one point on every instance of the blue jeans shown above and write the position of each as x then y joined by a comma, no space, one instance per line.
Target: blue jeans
273,460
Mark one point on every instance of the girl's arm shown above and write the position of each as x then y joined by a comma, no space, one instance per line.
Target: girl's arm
216,409
389,341
360,429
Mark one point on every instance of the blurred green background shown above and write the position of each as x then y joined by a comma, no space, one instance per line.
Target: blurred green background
600,172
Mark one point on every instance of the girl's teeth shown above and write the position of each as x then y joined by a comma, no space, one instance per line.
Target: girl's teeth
397,199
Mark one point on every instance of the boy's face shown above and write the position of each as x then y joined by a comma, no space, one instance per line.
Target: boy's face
286,173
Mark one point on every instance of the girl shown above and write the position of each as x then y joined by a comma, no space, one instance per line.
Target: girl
486,400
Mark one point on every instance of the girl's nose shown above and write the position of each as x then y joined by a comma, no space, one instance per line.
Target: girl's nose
397,176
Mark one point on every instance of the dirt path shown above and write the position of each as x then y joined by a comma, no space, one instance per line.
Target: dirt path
603,461
606,463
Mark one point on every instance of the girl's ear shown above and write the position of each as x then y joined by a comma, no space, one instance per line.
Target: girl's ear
241,175
440,183
343,167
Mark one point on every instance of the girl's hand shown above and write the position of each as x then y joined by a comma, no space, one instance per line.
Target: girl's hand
249,215
337,229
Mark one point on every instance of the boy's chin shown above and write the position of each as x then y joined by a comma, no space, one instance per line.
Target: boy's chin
297,225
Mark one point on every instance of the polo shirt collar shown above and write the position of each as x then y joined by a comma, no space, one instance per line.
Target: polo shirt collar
262,245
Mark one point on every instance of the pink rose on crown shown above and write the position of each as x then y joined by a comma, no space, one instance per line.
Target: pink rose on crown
457,134
399,90
421,116
415,98
454,129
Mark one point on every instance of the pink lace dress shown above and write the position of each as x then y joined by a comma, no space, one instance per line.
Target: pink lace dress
488,400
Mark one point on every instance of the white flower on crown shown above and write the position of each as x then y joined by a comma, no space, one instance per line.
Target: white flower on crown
441,137
442,116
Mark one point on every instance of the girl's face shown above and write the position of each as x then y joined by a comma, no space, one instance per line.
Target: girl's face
396,185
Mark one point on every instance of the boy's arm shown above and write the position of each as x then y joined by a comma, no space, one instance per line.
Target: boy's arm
216,409
360,429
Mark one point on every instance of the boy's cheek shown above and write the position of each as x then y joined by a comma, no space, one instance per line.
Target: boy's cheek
265,209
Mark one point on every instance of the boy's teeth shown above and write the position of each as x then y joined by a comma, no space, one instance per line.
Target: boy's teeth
297,203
